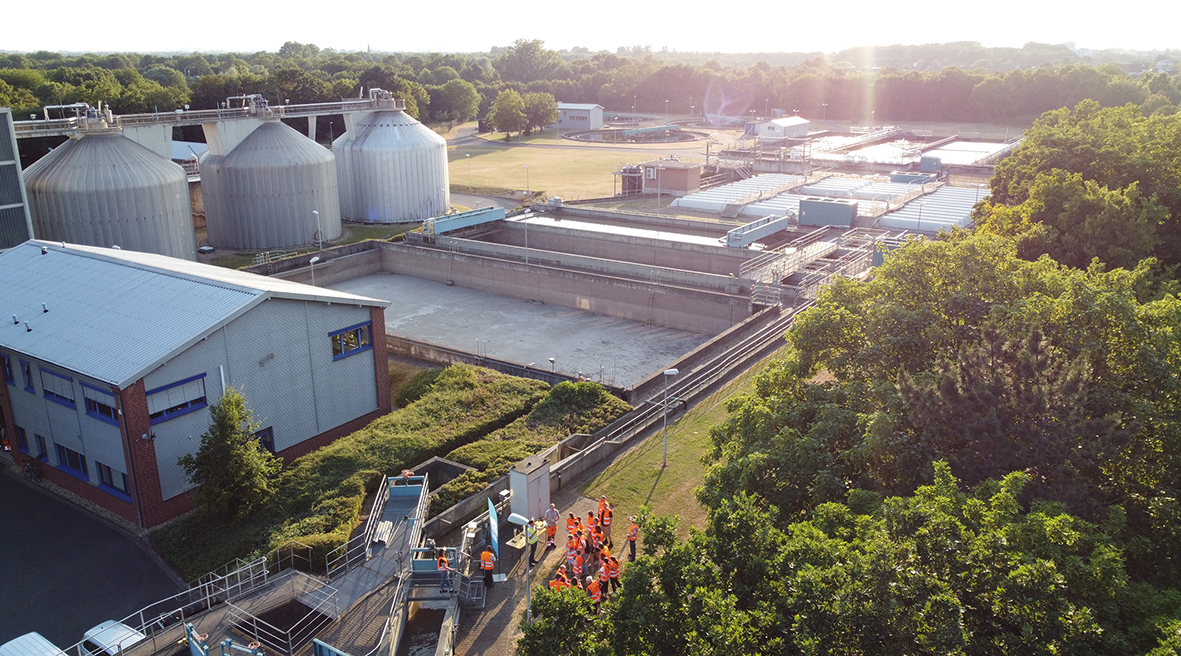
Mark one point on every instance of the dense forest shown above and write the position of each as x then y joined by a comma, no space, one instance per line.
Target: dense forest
946,82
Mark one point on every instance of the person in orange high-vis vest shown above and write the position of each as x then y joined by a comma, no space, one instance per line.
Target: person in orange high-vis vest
632,534
563,577
593,591
571,524
604,579
602,506
578,566
605,522
613,572
444,573
556,584
571,549
487,563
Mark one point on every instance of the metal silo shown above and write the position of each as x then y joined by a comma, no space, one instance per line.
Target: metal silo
263,193
103,189
391,169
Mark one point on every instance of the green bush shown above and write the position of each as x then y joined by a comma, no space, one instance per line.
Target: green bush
419,384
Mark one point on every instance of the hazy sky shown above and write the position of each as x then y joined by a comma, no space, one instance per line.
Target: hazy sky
471,26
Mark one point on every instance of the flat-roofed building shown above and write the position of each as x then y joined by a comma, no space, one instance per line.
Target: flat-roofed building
579,116
111,359
671,177
786,127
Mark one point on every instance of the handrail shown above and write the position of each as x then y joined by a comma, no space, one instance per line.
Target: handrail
332,563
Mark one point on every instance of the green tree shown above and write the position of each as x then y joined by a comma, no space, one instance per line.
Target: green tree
232,469
508,113
456,100
540,110
528,60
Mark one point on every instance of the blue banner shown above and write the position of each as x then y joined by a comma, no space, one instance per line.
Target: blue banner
494,527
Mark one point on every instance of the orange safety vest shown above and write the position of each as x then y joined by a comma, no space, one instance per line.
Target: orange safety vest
591,521
633,532
593,592
607,517
443,567
571,548
555,584
603,575
597,540
605,553
578,567
613,568
486,560
571,525
602,506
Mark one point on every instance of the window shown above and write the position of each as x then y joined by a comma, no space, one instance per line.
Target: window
71,462
42,452
27,373
100,404
266,437
8,370
179,398
351,340
112,480
57,388
22,440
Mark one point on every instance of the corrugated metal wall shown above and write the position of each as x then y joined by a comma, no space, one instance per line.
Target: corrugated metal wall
105,190
262,194
392,170
828,212
15,225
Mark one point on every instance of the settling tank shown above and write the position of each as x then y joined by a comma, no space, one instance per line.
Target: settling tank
103,189
392,169
262,194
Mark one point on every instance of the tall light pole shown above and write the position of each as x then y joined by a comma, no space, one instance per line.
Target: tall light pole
666,111
633,104
690,106
824,110
552,367
659,182
312,263
920,225
469,172
766,107
319,228
668,373
526,181
871,113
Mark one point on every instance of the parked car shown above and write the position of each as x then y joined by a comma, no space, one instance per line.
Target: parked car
109,639
30,644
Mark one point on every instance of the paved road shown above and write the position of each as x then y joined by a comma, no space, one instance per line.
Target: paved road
63,571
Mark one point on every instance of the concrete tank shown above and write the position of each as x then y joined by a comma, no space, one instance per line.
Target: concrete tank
262,194
106,190
391,169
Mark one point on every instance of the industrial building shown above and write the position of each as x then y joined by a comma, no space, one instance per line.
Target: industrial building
112,358
579,116
670,176
15,223
783,128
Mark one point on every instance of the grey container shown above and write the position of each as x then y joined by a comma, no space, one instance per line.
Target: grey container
262,194
106,190
391,169
816,211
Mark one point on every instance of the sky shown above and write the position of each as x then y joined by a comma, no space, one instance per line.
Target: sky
476,26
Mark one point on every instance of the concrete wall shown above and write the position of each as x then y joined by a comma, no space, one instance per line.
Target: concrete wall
642,220
666,305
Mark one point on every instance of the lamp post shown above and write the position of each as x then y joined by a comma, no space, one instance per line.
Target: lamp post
319,228
824,112
659,182
312,263
469,172
552,367
766,107
667,374
920,225
978,187
633,104
666,111
526,181
690,106
871,113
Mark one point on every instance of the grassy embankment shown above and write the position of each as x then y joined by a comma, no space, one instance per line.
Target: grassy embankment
636,478
319,496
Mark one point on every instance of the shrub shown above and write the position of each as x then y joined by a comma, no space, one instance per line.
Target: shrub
419,384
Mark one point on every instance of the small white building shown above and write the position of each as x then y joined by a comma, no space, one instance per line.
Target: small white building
579,116
786,127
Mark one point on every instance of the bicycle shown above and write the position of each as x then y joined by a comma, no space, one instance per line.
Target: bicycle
32,472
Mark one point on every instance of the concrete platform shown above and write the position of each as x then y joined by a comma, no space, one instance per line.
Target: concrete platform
524,331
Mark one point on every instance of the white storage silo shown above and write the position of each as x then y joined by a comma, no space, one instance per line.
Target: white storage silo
103,189
392,169
265,193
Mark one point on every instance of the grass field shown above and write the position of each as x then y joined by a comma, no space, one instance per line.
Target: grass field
636,478
569,173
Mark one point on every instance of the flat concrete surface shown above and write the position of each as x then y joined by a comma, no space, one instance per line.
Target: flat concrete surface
605,349
64,571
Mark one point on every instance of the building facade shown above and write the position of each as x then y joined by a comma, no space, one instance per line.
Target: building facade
112,358
786,127
579,116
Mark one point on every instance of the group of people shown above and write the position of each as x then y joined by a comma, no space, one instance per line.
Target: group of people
589,565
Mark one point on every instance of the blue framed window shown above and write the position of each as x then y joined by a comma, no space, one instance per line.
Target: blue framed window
266,437
72,462
176,399
112,481
100,404
351,340
27,374
8,377
42,451
57,388
22,440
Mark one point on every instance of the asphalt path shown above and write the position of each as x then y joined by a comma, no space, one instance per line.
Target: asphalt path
64,570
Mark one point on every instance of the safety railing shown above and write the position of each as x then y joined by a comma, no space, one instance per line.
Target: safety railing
356,550
319,598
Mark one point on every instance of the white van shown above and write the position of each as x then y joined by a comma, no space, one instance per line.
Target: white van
30,644
109,639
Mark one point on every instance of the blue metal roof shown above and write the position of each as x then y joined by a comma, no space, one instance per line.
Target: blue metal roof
116,315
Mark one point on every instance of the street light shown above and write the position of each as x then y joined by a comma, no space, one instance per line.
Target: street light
690,105
526,181
766,107
312,263
666,111
319,228
824,110
552,366
920,225
633,104
871,113
659,182
469,172
667,374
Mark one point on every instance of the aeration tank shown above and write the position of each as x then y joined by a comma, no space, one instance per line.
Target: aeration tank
391,169
103,189
276,189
